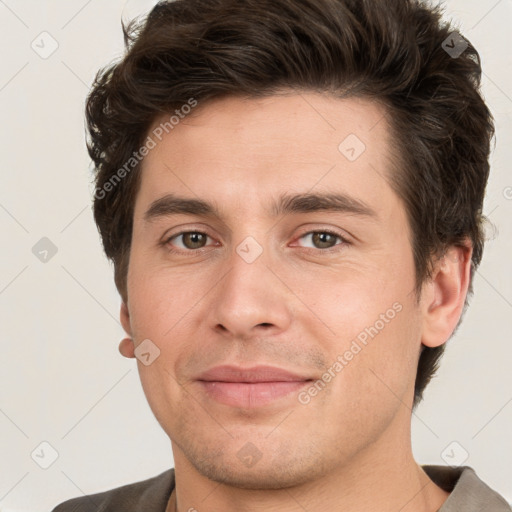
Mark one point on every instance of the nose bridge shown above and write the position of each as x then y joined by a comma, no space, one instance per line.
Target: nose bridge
248,278
249,294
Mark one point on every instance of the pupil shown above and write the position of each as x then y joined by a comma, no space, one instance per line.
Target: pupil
195,238
322,238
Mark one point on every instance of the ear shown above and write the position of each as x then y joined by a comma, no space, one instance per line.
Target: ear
443,297
126,347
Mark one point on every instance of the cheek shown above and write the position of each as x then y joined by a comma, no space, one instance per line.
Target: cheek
158,309
349,300
163,309
159,301
381,372
375,335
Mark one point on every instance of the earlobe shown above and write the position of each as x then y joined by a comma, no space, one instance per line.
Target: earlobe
445,294
126,347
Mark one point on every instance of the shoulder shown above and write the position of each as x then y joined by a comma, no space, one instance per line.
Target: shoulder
467,491
150,495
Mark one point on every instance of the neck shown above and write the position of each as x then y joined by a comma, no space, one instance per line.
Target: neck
381,478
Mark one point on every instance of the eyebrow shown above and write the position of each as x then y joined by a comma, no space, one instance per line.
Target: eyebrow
171,204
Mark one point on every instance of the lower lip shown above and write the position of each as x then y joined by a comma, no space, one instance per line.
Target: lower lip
250,395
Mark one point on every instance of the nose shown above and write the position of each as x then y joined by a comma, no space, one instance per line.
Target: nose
251,299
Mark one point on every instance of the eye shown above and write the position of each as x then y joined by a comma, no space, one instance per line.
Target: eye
323,239
190,240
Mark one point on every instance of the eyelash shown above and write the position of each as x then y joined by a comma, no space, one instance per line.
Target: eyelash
193,252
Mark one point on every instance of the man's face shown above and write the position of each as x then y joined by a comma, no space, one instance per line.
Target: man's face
298,291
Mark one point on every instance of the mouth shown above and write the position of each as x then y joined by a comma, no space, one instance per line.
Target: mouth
250,387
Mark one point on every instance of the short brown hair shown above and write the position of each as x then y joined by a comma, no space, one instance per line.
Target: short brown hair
392,51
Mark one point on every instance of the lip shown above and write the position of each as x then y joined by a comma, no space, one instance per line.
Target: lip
250,387
227,373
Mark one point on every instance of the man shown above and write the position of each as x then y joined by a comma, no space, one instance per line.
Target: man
291,192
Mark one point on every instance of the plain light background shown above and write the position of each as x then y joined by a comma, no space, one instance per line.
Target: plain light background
62,380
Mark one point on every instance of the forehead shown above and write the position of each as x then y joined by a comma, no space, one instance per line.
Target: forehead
243,150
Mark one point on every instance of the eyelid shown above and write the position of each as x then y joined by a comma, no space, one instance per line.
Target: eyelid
331,231
171,233
325,229
168,238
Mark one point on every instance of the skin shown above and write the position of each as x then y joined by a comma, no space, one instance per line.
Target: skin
297,306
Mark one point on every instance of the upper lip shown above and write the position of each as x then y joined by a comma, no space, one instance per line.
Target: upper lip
260,373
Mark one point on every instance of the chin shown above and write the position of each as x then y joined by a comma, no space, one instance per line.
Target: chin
267,476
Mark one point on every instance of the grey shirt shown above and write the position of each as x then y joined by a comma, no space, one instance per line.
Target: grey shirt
467,494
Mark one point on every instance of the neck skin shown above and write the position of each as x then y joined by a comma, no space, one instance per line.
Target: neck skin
384,477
